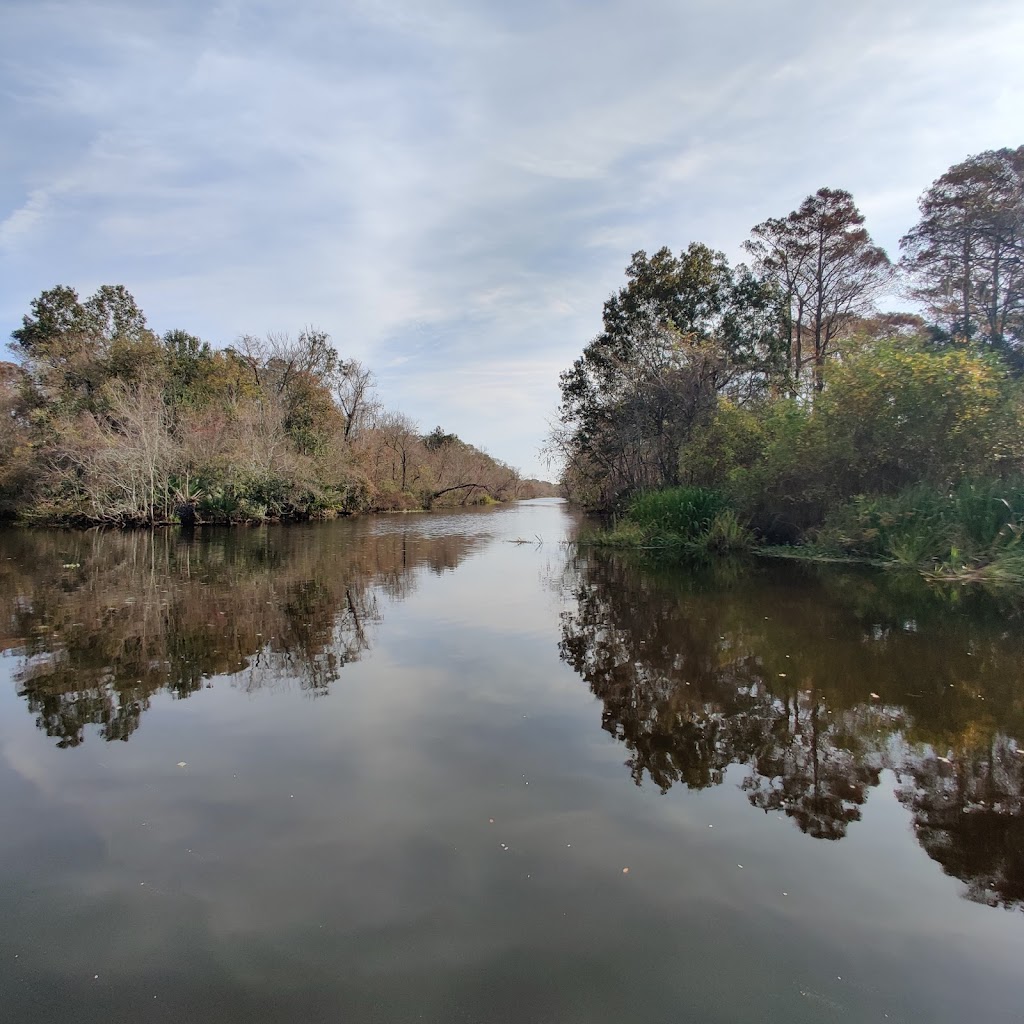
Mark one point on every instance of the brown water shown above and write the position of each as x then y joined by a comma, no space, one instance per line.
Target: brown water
395,769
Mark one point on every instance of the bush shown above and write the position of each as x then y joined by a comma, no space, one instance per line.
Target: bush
786,491
895,416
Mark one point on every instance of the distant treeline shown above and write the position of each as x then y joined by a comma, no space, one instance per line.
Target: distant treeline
104,422
781,389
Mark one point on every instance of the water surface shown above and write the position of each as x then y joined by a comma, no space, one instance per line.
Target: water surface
445,768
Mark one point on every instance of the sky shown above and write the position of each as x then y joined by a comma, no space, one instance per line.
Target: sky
452,189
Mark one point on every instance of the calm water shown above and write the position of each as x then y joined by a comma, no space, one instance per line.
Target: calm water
396,769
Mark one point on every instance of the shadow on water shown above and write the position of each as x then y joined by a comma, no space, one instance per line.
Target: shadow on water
103,621
814,681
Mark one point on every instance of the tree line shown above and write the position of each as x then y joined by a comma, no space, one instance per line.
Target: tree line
102,421
781,385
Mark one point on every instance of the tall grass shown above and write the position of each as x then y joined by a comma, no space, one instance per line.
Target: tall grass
693,518
976,524
676,513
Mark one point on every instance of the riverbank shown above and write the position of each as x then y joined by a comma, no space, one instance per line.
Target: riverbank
970,535
255,516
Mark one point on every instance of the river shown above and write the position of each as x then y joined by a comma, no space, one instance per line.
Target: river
449,768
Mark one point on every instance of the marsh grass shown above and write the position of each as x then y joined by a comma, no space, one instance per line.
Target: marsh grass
676,513
690,519
973,532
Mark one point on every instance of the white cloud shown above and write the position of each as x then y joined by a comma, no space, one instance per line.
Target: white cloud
21,222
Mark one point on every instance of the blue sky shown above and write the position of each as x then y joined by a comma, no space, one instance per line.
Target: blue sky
452,189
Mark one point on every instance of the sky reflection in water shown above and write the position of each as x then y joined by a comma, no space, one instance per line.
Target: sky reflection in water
418,757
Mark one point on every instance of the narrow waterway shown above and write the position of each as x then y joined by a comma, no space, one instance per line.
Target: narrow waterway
447,768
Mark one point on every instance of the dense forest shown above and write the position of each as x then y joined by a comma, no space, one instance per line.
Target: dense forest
775,402
104,422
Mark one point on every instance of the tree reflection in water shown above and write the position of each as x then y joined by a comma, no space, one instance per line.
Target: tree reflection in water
969,816
103,621
813,683
809,683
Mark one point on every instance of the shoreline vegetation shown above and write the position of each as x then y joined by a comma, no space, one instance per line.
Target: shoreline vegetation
105,423
933,536
774,409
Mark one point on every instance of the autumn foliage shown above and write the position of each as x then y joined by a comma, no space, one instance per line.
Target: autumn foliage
105,422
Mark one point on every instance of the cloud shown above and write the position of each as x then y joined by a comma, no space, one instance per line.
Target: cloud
21,222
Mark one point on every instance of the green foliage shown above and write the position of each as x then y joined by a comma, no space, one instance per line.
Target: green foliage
895,415
56,314
624,534
734,438
676,513
804,410
438,439
726,534
977,523
682,331
783,490
694,519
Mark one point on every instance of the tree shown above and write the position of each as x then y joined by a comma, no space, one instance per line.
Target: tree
70,349
112,313
828,270
277,362
17,468
101,421
56,314
399,438
354,387
294,380
681,331
437,440
188,363
966,254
